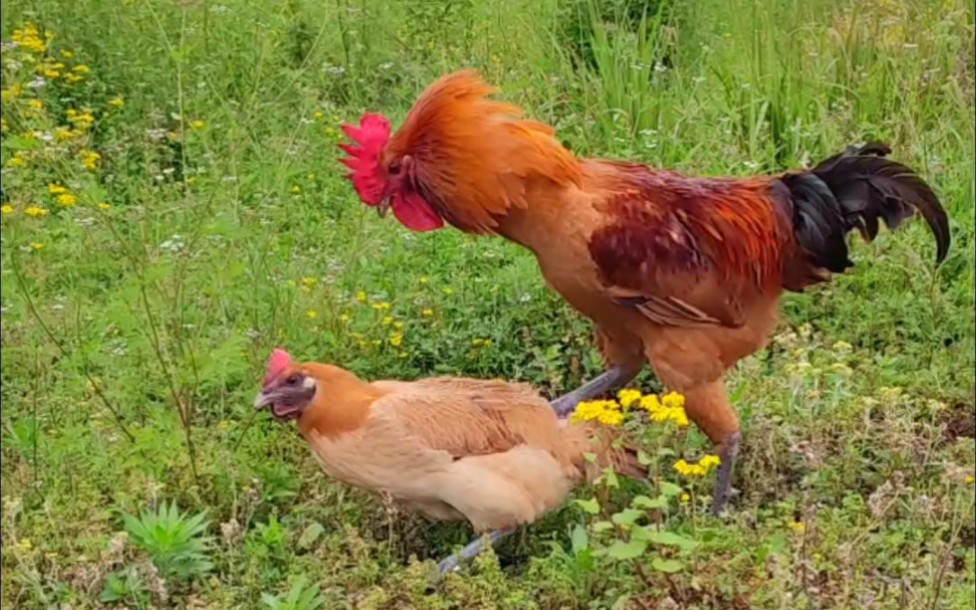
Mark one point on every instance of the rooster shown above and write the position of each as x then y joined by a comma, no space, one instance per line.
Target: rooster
684,273
490,452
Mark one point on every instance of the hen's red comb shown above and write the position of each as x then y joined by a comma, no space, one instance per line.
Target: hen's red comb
278,362
371,135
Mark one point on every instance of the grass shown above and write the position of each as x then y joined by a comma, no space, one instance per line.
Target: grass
134,332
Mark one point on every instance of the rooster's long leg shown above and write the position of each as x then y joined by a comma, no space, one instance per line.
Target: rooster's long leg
471,551
613,379
728,452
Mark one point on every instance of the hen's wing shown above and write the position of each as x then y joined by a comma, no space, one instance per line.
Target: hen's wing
685,251
467,417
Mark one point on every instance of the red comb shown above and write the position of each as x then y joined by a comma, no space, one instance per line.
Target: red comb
278,362
371,136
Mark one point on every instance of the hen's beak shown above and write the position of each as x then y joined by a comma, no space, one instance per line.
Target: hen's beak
264,399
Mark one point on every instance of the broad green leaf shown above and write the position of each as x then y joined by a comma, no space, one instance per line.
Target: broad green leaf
310,535
627,517
668,566
649,503
579,539
669,489
601,526
671,539
623,551
591,506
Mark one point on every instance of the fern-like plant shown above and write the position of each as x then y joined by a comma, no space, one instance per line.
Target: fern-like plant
175,542
302,596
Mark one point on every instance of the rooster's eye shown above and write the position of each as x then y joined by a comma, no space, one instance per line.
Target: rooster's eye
394,168
292,379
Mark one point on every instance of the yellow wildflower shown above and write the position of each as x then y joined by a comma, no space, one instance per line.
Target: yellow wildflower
699,469
67,54
477,342
427,313
73,78
311,313
51,73
90,158
318,114
308,282
296,189
381,306
361,296
685,498
798,527
387,320
448,291
35,211
103,206
345,318
3,125
628,397
404,354
18,160
650,403
67,200
81,69
673,400
424,279
62,133
198,124
36,245
35,104
310,176
117,102
398,325
970,479
396,339
24,545
56,189
710,461
7,209
29,40
81,119
611,418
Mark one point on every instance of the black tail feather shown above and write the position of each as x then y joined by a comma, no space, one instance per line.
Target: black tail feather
853,189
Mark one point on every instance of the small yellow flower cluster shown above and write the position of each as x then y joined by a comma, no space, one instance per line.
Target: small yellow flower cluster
669,407
481,343
34,211
607,412
381,306
7,209
29,39
89,159
61,195
81,119
698,469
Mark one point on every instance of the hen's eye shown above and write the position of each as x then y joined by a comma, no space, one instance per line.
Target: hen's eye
394,168
292,379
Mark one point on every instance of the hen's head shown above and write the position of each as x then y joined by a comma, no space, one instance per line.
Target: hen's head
384,179
287,389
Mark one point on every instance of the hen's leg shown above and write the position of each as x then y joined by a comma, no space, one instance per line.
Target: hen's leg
708,406
613,379
471,551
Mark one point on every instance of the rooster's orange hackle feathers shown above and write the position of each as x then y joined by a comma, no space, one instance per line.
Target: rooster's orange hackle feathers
476,157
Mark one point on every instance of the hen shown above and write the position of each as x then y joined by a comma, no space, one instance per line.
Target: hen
490,452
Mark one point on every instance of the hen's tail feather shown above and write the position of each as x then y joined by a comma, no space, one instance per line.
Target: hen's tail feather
853,189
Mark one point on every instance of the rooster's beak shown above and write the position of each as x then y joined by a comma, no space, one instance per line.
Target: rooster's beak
383,206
